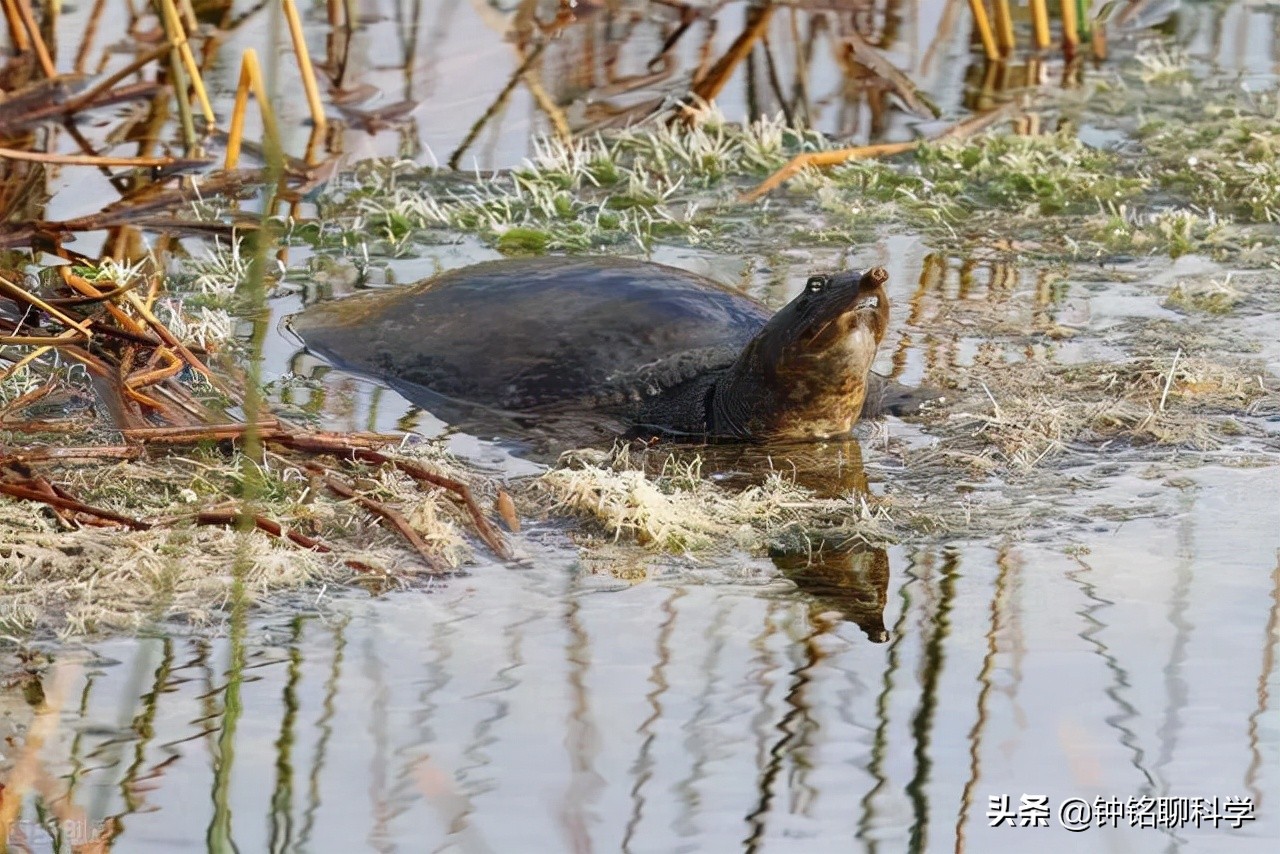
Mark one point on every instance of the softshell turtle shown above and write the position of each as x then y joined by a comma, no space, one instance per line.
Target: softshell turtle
656,349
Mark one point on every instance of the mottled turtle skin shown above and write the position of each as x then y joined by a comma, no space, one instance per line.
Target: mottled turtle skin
654,348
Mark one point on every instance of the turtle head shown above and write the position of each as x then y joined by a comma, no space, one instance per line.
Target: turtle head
804,375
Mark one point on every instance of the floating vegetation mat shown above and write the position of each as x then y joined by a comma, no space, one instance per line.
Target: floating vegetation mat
1043,226
68,574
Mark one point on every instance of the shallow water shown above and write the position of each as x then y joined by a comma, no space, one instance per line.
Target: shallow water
548,708
1122,647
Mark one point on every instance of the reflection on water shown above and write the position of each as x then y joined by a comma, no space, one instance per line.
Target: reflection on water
545,709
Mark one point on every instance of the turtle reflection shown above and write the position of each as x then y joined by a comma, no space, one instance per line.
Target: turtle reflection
833,566
845,575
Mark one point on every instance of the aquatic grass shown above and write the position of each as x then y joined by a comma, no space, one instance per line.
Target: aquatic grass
1161,64
1215,296
1052,173
1175,232
1022,418
92,578
631,187
679,510
219,272
1228,158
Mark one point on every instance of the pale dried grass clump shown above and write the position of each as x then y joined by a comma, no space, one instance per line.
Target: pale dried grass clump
84,580
92,579
679,510
1039,409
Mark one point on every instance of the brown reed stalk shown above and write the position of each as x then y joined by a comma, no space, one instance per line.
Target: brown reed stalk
37,40
17,29
83,159
304,64
90,30
983,23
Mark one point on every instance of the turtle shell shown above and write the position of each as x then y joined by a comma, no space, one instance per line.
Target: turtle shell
539,334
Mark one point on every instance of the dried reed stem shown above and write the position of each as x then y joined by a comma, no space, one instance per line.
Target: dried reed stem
250,78
304,65
22,295
1040,24
90,30
37,40
983,23
106,83
1004,27
1070,25
84,159
827,158
959,130
178,34
707,87
17,29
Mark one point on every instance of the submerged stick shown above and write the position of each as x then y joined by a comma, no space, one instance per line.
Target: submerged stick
512,82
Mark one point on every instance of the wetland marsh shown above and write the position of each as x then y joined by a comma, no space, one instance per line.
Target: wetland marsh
1063,581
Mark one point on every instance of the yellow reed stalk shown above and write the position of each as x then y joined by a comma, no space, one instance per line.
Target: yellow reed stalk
17,29
250,78
1040,24
1004,27
37,40
984,29
1070,24
178,33
45,341
304,64
188,15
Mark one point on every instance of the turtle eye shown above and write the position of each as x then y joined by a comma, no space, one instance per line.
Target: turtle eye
815,284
